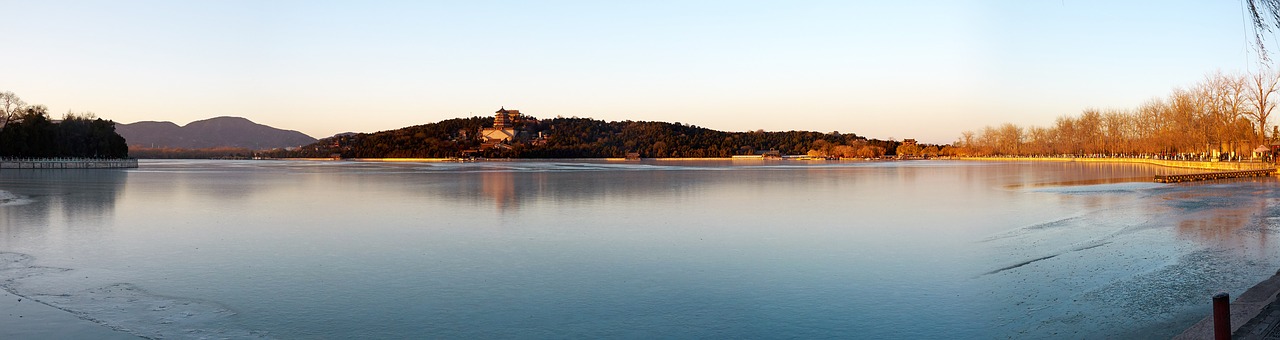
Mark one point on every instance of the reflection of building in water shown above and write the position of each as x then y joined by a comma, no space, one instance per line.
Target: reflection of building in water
501,187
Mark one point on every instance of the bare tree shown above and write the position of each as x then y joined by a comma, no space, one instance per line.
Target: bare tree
1149,125
1227,98
1118,131
1039,141
1010,139
1065,131
10,105
1262,88
966,139
1222,113
1088,131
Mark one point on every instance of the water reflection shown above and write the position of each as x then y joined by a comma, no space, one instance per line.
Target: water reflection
596,249
510,189
80,197
501,187
1223,219
508,186
1219,228
1079,173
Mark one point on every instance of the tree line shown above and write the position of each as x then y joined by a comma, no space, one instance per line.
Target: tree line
1223,114
184,153
26,131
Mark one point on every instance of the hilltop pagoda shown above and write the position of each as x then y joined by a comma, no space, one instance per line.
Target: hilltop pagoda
507,126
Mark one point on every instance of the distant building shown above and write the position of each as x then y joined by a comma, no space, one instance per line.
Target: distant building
908,141
760,154
506,128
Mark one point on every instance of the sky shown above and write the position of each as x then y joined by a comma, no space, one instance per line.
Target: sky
883,69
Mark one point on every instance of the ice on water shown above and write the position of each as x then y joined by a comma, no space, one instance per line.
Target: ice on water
1085,259
8,198
1101,188
120,306
1116,275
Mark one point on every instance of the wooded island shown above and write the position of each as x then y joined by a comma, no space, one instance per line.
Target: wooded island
26,131
511,134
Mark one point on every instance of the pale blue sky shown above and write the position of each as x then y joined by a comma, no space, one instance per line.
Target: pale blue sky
902,69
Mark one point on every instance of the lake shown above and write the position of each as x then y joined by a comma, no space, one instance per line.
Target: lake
594,249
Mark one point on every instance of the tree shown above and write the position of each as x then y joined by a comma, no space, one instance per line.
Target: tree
930,151
844,151
1265,14
947,151
870,151
966,139
907,149
1039,141
1226,97
1089,130
1118,131
1010,139
821,148
10,105
28,132
31,134
1262,88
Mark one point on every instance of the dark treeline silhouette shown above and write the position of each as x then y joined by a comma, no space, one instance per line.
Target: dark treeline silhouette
586,138
28,132
184,153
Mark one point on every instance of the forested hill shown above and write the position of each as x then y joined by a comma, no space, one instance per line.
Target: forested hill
585,138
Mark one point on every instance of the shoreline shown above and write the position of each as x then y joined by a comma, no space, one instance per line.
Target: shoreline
1244,310
1217,166
1224,166
68,163
605,159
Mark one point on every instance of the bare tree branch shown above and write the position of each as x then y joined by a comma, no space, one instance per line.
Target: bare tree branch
1265,14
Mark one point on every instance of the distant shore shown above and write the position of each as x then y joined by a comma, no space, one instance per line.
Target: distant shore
609,159
1216,166
1225,166
68,163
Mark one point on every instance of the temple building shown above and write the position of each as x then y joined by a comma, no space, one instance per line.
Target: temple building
506,128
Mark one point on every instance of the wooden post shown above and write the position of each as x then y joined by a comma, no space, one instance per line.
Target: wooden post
1222,316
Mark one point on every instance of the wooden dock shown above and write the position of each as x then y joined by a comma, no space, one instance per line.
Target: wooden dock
67,163
1209,176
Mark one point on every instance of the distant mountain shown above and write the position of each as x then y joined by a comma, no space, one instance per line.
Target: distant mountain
234,132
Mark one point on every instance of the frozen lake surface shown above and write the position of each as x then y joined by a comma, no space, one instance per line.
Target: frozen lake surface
580,249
